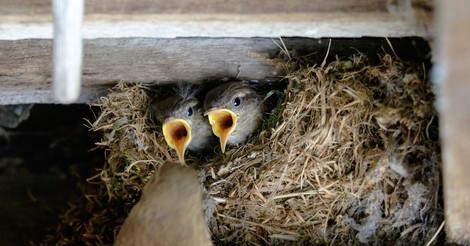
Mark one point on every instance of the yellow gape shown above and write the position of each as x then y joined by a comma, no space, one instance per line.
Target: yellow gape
223,122
177,133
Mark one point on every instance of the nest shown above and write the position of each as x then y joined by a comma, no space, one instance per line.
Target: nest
350,156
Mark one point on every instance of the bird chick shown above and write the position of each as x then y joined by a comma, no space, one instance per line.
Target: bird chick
234,111
169,211
183,123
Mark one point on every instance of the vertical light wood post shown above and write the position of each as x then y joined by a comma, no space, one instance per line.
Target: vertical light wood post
67,52
452,77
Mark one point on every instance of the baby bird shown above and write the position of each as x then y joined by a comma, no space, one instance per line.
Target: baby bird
183,123
234,111
169,211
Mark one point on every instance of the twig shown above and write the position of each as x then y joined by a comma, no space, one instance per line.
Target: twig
437,233
278,184
283,48
312,192
258,224
327,53
391,47
284,237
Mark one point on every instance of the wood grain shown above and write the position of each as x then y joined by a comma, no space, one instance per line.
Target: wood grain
26,65
31,19
119,7
451,76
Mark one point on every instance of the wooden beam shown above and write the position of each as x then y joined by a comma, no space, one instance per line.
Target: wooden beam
26,65
452,75
31,19
28,7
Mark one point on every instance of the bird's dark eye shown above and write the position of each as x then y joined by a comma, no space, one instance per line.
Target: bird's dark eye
237,101
190,111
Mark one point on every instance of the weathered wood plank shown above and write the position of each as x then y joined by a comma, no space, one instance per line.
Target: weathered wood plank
26,65
28,7
31,19
282,25
452,76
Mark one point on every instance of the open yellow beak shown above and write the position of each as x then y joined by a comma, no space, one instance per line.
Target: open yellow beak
223,122
177,133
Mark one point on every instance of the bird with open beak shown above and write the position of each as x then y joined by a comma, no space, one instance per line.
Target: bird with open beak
235,110
169,211
183,123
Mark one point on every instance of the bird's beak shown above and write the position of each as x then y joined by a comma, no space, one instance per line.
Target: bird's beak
223,122
177,133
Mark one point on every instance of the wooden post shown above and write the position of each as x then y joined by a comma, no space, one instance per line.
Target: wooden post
67,52
452,77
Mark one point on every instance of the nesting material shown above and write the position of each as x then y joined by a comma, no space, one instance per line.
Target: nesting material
351,156
353,159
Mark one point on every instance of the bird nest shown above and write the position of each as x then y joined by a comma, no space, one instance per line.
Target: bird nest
350,156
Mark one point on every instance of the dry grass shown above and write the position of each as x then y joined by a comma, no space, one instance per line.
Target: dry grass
353,158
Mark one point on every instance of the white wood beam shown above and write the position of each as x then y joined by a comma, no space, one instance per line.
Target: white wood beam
67,53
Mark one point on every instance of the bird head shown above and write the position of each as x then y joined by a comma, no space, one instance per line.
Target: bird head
177,115
227,105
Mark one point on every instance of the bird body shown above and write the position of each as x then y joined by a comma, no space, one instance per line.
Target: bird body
183,122
169,211
235,110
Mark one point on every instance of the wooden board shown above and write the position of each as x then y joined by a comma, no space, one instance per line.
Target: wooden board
31,19
452,75
28,7
26,65
127,40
